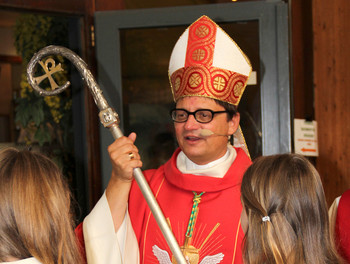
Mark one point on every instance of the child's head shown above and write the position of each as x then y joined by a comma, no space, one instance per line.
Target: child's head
34,209
284,200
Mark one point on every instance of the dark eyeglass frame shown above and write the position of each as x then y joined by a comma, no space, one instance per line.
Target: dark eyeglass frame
172,111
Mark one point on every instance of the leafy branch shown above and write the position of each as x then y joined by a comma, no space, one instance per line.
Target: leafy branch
44,121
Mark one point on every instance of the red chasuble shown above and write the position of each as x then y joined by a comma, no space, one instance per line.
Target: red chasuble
81,244
342,227
216,236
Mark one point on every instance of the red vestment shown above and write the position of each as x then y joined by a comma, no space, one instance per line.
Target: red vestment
80,237
217,228
342,227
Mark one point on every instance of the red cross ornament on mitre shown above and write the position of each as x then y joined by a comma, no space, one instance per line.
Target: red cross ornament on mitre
207,62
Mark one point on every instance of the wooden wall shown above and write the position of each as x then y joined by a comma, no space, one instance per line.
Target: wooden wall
302,59
331,52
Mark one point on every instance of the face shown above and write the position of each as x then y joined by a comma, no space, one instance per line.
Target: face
200,149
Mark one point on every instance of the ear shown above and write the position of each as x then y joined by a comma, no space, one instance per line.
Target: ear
233,124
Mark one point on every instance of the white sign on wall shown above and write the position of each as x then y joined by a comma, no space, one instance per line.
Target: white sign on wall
305,137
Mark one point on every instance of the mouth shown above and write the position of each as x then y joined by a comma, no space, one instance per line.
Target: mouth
192,138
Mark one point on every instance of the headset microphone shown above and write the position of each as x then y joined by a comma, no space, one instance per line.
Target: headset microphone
208,133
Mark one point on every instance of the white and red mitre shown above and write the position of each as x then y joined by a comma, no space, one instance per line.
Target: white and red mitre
207,62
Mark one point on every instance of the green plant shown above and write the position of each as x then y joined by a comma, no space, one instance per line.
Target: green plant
44,121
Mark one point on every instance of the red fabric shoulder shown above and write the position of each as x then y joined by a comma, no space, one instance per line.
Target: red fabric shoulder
80,240
343,225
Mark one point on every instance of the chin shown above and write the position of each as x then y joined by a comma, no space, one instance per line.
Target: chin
196,157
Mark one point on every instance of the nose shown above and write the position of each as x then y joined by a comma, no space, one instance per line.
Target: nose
191,123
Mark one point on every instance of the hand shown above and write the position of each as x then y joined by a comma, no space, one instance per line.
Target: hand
125,157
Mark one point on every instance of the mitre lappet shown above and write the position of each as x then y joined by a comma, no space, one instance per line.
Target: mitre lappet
206,62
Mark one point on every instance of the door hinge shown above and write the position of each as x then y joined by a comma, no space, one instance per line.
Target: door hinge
92,29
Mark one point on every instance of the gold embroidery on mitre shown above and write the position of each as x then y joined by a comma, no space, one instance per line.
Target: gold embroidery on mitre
201,56
201,41
219,83
237,83
209,82
195,80
198,55
202,31
177,83
219,92
237,89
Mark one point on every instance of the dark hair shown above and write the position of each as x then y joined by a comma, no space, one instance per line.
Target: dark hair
230,108
288,189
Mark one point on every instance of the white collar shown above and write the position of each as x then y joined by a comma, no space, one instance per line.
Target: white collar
216,168
190,165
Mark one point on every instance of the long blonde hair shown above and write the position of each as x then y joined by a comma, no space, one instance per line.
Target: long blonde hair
36,219
287,189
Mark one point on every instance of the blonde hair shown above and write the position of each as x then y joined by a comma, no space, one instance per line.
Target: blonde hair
36,220
288,189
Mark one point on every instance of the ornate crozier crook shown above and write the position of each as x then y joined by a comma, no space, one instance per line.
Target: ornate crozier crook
109,118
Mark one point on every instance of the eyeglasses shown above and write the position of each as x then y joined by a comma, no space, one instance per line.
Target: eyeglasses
201,115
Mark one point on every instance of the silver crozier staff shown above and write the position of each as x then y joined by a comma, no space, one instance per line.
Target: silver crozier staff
109,118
